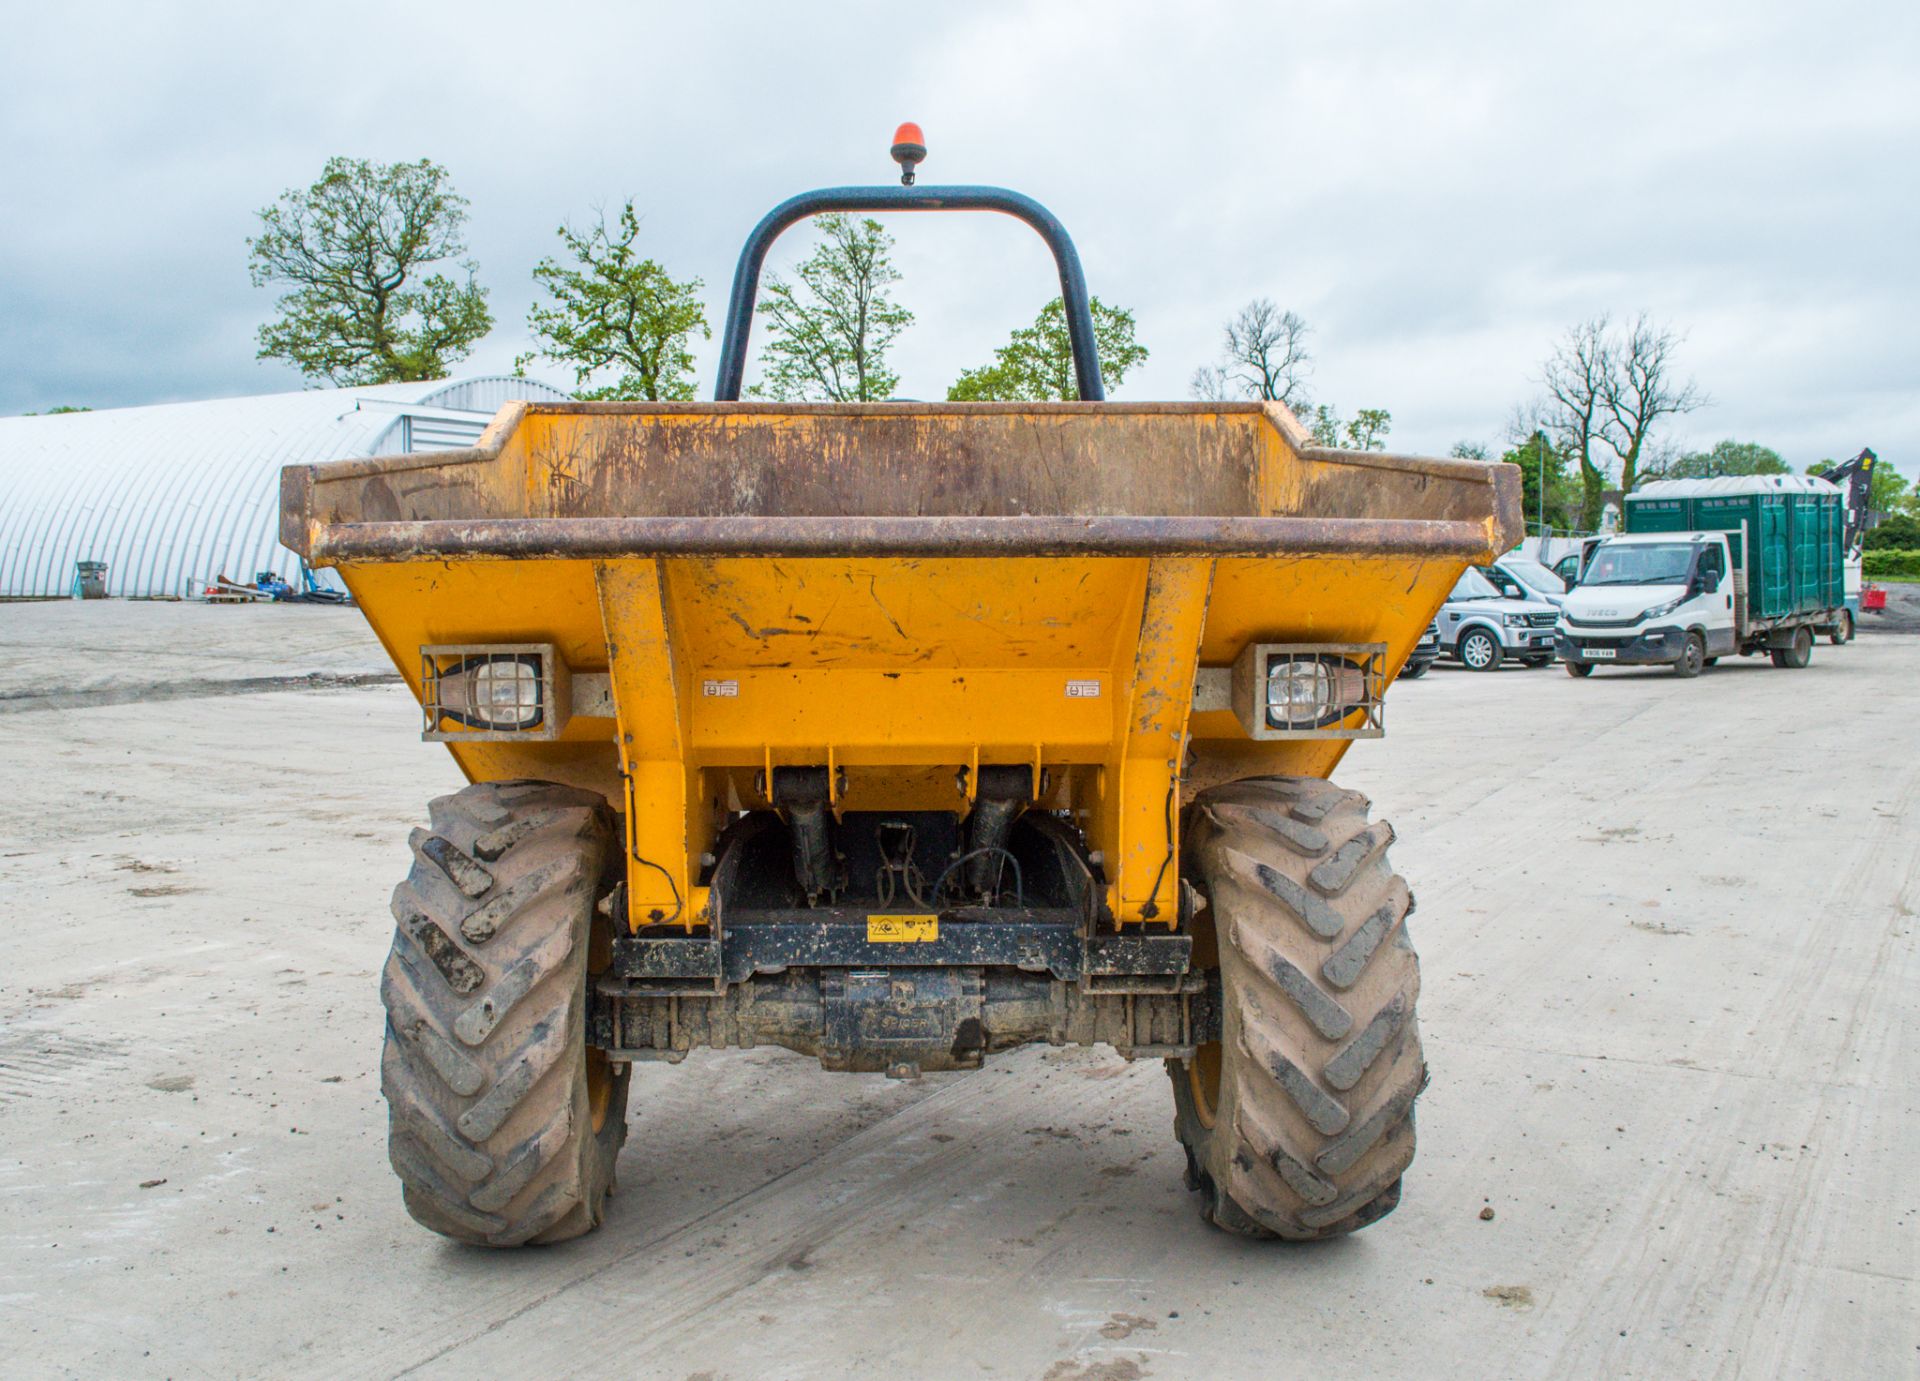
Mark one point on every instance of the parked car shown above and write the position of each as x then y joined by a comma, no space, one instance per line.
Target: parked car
1522,577
1480,627
1420,661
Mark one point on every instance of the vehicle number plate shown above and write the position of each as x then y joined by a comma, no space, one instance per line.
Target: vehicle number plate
1598,654
902,930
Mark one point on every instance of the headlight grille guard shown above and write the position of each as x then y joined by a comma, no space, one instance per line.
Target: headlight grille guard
1242,688
450,717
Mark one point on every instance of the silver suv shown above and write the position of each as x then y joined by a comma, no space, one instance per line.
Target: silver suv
1481,627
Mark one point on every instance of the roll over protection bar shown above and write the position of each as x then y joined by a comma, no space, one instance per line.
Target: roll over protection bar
746,276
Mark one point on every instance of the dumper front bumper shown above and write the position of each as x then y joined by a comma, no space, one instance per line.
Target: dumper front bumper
1655,647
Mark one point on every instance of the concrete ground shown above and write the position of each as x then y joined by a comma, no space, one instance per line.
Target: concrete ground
1668,931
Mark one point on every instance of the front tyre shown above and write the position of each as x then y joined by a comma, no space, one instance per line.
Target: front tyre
1842,631
1693,657
503,1124
1580,669
1298,1122
1479,650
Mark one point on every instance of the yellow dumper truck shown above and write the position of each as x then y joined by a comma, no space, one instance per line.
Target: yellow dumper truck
900,735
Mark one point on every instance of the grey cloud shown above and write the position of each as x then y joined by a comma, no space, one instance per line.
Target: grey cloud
1439,189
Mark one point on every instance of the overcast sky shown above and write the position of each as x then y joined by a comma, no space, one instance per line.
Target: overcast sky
1440,189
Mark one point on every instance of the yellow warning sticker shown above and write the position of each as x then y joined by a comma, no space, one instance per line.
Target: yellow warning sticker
902,930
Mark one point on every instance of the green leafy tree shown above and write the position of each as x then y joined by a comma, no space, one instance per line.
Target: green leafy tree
1368,430
354,253
1036,365
832,329
1901,532
615,312
1365,431
1541,460
1325,424
60,411
1727,457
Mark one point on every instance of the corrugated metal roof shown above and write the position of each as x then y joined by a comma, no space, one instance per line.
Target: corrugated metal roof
181,492
1734,485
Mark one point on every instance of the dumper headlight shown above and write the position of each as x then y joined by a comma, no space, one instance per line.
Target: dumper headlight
507,691
493,693
1312,691
1300,690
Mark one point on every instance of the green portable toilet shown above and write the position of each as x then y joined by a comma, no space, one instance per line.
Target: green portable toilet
1785,531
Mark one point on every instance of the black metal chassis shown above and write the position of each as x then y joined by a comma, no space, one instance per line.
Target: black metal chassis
812,980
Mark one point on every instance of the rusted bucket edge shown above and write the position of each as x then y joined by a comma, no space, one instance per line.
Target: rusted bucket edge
521,539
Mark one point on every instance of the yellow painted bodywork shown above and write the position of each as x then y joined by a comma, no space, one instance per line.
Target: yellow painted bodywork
902,675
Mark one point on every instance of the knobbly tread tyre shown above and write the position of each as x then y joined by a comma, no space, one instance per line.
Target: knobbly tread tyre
1320,1060
486,1065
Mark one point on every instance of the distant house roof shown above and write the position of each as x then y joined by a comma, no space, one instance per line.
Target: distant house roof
180,492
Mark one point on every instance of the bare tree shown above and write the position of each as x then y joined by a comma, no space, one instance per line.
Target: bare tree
1641,388
1578,378
1534,415
1609,388
1209,384
1266,353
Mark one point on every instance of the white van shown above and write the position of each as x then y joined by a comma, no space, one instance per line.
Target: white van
1660,598
1675,599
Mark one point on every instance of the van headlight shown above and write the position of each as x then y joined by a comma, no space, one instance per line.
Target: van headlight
1660,611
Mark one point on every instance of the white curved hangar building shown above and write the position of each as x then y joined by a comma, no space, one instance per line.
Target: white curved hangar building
172,495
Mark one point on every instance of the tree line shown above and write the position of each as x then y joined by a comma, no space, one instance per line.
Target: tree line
362,258
377,287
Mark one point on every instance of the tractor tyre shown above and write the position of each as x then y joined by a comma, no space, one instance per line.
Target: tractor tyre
1842,631
503,1124
1298,1122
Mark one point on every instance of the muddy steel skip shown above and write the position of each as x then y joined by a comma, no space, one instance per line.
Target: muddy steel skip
900,735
